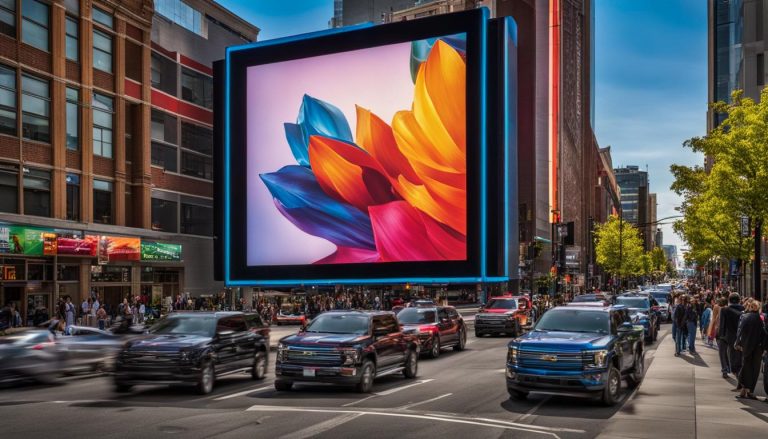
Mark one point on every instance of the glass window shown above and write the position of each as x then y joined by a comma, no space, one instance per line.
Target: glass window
8,18
417,316
340,324
196,216
164,127
73,197
574,320
34,26
37,192
196,88
72,39
165,215
102,202
35,106
196,165
73,118
164,74
182,14
164,156
102,51
760,68
102,17
103,114
197,138
7,101
72,6
9,184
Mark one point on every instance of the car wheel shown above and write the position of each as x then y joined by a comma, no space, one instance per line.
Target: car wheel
206,378
634,378
462,343
411,365
123,388
435,351
259,368
367,373
478,334
612,387
283,386
517,394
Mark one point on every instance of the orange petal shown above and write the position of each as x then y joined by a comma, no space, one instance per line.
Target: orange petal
446,79
451,212
348,173
375,136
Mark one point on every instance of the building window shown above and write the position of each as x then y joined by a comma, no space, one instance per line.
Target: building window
72,39
182,14
163,127
165,215
73,119
9,188
197,138
196,165
196,88
760,69
164,156
196,216
164,74
37,192
102,51
103,114
35,108
34,25
73,197
103,18
102,201
7,101
8,18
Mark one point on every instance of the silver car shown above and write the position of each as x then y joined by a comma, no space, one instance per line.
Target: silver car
28,355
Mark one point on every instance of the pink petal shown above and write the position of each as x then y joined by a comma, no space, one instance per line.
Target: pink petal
349,255
400,234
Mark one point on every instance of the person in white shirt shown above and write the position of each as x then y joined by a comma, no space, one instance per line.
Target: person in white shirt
84,307
95,307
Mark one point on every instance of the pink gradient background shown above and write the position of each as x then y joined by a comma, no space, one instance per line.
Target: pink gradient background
378,79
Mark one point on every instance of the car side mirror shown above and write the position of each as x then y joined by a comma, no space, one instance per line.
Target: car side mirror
445,320
224,334
626,327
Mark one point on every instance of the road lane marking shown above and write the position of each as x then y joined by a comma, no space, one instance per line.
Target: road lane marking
388,392
532,410
322,427
490,423
244,392
407,406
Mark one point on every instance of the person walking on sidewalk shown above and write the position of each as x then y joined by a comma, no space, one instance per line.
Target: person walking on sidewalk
750,342
714,324
691,324
678,318
706,316
729,326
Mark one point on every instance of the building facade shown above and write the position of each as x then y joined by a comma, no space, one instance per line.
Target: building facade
106,147
636,202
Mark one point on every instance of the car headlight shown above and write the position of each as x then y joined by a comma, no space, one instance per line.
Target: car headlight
511,316
598,358
282,352
512,354
350,357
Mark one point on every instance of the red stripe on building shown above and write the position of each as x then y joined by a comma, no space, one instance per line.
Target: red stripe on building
132,89
182,108
189,62
165,52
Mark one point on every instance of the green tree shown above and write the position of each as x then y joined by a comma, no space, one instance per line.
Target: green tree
619,248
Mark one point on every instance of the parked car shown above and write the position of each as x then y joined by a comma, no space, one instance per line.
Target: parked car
437,327
346,347
192,348
664,307
28,355
503,315
643,310
579,351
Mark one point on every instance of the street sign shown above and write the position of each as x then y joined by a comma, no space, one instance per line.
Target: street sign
745,230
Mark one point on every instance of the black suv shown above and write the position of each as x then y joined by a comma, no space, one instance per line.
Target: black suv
437,327
193,348
346,347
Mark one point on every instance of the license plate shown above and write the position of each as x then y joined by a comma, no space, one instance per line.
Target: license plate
309,372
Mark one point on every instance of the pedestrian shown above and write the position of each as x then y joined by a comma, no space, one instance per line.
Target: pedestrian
101,315
729,325
679,321
691,324
706,317
675,303
69,314
750,341
715,322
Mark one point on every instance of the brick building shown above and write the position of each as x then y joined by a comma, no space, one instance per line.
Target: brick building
106,147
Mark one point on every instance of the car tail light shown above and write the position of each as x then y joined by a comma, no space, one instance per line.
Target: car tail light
41,346
655,308
428,328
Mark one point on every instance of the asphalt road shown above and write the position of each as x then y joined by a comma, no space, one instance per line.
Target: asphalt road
459,395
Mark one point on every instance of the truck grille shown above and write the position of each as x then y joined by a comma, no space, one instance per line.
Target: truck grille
491,320
553,360
312,355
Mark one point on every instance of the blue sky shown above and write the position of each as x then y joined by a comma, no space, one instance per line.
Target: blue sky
650,77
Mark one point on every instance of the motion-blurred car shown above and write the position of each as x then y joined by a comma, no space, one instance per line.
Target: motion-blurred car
28,355
88,349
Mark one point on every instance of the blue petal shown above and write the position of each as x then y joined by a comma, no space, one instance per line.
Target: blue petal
295,137
302,201
316,117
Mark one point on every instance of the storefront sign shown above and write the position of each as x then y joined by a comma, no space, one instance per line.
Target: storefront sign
122,248
49,244
77,246
21,240
160,251
102,250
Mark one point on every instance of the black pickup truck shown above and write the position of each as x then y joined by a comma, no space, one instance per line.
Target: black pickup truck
346,347
193,348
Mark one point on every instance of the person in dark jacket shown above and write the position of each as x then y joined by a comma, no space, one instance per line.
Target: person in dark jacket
750,341
678,317
729,326
722,345
691,324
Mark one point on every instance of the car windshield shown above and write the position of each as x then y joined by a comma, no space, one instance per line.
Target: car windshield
414,316
633,302
28,338
574,320
186,325
502,304
339,324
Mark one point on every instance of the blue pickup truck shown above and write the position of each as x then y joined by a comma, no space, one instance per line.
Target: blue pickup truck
577,351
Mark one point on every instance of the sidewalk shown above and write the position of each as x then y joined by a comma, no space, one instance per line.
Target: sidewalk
687,397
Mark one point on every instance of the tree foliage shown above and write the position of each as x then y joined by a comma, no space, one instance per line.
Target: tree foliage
623,259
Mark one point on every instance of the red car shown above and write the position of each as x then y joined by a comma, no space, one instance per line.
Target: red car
503,315
284,317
